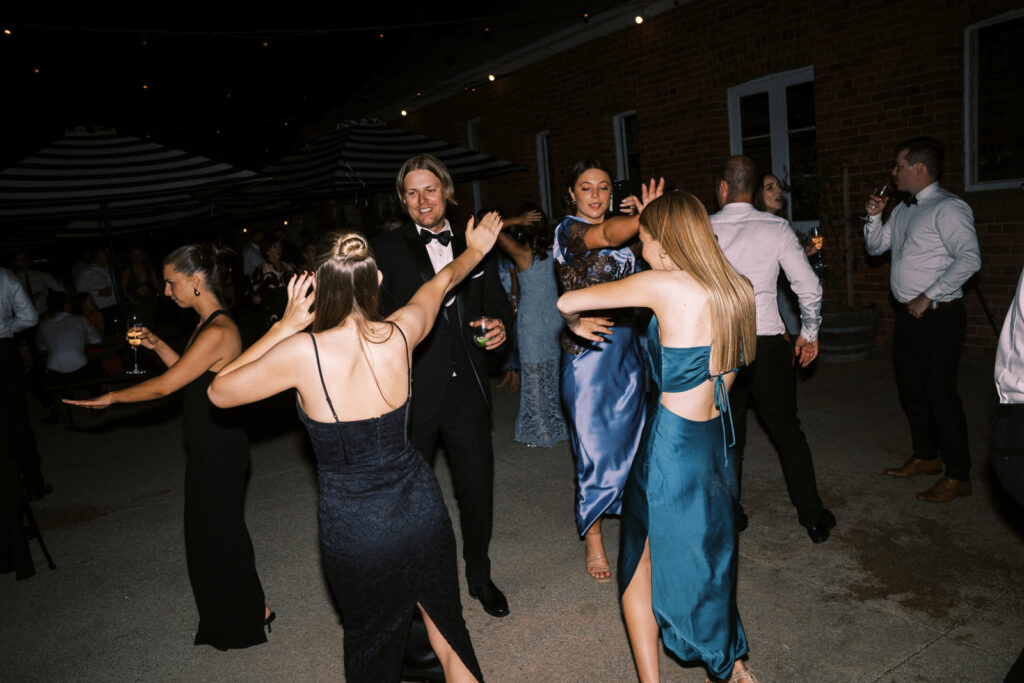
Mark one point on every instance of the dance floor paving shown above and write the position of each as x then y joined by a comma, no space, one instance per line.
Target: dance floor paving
903,591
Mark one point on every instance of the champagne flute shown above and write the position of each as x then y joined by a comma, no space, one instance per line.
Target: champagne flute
881,192
818,241
135,338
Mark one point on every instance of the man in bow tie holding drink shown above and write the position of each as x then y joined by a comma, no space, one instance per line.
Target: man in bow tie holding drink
451,389
934,250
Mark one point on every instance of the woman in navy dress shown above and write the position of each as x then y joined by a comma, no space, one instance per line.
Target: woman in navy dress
602,385
677,563
385,536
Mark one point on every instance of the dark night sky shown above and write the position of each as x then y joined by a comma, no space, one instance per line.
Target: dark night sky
203,78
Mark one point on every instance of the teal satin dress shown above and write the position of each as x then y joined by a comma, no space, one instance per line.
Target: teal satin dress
681,494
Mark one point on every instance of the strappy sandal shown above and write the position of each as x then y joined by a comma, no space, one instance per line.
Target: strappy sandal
745,675
595,570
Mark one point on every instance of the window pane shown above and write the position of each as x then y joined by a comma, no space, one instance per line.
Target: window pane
1000,101
800,105
760,150
801,160
754,119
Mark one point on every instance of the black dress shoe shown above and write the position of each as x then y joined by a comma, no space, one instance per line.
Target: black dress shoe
823,523
491,597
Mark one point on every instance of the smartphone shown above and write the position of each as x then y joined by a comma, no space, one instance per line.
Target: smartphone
620,190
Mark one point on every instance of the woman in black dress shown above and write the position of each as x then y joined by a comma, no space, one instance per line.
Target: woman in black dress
385,536
221,562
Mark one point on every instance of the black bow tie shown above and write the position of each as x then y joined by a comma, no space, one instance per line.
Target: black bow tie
444,237
910,201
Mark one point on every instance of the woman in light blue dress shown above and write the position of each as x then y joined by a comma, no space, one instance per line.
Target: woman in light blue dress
677,563
540,421
602,384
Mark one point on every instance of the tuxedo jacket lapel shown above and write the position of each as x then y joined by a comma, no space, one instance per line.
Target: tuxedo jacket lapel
419,252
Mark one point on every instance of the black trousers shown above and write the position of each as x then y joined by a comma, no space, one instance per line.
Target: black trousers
463,426
771,382
926,356
14,423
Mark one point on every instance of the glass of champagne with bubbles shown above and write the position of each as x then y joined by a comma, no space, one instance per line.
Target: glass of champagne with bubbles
135,339
818,241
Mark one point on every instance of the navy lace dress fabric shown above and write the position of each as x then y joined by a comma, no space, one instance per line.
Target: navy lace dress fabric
219,552
386,541
681,496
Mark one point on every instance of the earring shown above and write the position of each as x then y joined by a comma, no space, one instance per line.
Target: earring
196,290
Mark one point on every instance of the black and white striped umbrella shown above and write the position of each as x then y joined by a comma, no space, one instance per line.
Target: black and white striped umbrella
99,174
365,156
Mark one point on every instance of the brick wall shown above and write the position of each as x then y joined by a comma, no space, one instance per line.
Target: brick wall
883,72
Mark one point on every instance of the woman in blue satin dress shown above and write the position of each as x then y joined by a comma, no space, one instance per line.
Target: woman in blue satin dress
677,563
602,385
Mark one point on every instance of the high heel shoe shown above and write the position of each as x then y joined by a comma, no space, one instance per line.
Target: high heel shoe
270,618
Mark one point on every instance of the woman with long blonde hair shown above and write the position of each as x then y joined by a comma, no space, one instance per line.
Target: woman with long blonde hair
677,562
385,536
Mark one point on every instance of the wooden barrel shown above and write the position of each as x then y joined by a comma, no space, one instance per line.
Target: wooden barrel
847,332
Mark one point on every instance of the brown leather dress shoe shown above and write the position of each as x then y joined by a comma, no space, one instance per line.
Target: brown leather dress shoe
945,490
914,466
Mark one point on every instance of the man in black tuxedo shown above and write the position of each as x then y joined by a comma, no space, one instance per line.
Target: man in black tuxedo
451,389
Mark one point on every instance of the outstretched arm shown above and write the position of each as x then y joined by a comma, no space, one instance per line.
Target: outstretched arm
417,317
638,290
618,230
206,351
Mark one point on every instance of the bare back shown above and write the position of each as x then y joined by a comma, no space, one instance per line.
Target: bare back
684,320
364,378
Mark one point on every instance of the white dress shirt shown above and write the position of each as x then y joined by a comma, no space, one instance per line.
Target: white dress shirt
92,279
757,244
933,243
39,284
440,254
64,336
252,257
16,310
1009,374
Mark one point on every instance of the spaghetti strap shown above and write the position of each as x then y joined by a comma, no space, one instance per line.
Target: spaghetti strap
203,325
320,370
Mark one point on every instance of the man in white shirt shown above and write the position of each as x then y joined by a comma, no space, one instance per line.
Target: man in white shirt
37,283
64,337
934,250
96,279
16,314
757,244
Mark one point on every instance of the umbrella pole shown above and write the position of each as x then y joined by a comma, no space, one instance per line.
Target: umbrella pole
114,279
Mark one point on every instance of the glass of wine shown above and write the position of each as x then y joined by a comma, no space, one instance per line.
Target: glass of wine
135,338
881,192
818,241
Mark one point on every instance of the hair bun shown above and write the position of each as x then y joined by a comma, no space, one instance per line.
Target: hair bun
353,246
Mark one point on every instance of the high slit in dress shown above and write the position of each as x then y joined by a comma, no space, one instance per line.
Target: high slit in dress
385,539
681,497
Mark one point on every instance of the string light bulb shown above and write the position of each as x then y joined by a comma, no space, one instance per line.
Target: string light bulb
490,77
7,32
405,113
638,19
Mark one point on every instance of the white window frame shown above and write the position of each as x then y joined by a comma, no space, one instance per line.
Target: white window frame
971,182
621,147
775,85
544,173
473,143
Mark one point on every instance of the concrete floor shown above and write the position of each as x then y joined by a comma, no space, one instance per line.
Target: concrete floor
904,590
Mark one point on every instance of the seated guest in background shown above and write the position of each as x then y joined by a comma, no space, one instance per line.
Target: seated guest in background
64,337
